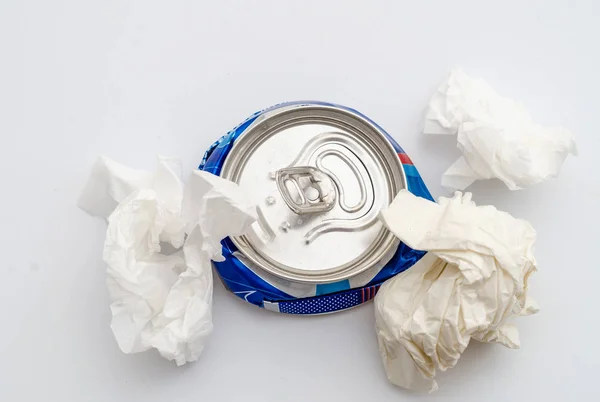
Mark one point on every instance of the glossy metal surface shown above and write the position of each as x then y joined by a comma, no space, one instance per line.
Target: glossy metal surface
320,176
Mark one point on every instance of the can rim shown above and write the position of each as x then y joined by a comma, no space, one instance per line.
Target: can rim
242,149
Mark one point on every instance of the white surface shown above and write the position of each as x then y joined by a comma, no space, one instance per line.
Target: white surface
160,298
133,78
495,135
470,285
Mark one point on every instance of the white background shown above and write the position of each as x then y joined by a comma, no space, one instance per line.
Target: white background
134,78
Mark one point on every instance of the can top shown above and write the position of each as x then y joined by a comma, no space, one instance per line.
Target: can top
320,175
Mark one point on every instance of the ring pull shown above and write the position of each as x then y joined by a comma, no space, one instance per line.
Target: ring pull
306,189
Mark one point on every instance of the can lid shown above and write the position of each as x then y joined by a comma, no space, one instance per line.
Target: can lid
320,175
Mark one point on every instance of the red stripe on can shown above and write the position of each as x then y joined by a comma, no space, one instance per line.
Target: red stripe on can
363,295
405,159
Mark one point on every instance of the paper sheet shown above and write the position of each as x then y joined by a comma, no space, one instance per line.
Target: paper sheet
496,136
470,284
161,300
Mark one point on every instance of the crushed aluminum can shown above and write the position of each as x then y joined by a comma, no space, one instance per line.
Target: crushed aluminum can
320,173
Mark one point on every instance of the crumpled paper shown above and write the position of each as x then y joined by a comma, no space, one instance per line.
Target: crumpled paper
159,299
496,136
469,285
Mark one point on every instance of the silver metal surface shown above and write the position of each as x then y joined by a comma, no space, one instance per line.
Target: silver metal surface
320,176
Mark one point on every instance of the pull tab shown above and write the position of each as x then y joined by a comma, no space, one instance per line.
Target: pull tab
314,190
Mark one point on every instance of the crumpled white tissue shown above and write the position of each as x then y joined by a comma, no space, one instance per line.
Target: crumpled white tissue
496,136
160,299
469,285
